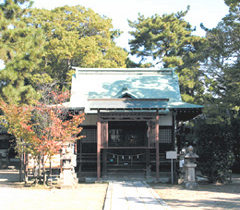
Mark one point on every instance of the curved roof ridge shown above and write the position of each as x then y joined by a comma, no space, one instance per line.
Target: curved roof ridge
126,71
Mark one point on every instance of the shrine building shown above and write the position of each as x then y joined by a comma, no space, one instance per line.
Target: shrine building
131,116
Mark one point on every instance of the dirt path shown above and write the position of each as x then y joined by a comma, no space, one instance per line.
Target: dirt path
86,197
13,196
91,196
207,197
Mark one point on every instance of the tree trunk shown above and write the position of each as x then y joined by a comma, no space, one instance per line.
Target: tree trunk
20,168
44,172
20,162
50,172
39,170
25,162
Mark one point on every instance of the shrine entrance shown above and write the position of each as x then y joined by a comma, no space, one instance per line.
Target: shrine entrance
127,142
127,134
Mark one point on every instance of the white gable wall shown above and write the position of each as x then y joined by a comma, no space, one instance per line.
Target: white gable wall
165,120
90,120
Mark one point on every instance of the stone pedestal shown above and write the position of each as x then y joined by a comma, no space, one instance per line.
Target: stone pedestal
68,178
182,172
189,168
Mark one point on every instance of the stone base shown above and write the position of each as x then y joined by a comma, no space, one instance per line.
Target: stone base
66,187
190,185
180,181
68,180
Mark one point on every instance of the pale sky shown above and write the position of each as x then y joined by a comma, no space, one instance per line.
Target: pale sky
208,12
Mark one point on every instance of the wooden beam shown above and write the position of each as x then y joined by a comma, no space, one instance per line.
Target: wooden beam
109,148
127,116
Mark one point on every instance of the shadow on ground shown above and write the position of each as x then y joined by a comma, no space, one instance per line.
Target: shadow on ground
207,196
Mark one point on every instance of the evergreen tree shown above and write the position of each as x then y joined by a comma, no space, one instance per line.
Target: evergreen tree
39,47
168,40
223,62
75,36
21,51
218,135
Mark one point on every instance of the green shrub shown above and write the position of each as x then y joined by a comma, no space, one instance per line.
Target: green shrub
235,124
215,149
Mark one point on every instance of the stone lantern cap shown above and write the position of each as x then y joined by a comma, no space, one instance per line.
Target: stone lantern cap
191,154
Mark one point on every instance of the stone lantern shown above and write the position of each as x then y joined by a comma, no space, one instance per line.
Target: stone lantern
68,178
189,168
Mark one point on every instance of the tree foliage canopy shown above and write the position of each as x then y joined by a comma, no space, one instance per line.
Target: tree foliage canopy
21,51
217,136
41,130
75,36
168,40
39,46
222,62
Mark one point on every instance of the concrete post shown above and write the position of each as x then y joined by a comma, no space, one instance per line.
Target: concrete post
189,168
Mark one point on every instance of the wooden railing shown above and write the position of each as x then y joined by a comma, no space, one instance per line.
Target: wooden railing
119,159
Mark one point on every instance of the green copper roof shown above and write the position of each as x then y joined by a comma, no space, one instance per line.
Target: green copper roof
138,83
124,92
183,105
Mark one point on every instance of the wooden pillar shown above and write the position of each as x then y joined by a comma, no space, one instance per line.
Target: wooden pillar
104,159
104,136
174,127
104,133
174,138
148,168
149,144
99,141
149,124
157,145
151,133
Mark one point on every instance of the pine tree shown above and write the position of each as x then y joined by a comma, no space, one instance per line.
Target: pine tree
223,61
21,51
168,40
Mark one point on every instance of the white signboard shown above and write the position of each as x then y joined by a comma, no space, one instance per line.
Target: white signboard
171,155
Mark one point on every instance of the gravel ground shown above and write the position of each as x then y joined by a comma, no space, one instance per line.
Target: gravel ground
91,196
13,196
206,197
85,197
